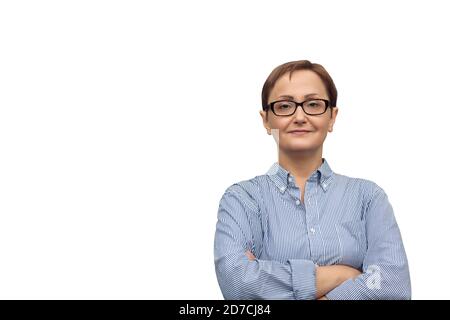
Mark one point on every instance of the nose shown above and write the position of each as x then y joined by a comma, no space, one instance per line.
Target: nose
299,115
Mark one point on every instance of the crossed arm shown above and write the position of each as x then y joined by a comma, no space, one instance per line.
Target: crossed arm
327,277
242,276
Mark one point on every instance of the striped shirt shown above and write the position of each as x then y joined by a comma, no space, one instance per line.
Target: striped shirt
343,220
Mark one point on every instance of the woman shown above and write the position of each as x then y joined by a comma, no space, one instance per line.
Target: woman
301,231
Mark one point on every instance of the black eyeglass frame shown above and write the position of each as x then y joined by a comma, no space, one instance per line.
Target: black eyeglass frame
271,106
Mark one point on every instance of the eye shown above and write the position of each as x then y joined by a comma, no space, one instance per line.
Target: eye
313,104
284,105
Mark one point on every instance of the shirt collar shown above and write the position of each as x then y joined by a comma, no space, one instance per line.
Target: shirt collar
283,178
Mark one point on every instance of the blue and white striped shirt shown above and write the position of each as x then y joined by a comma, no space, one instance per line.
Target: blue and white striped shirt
343,220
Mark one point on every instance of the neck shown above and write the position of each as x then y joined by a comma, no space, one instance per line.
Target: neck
301,164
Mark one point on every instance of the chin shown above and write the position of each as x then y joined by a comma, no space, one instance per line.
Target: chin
298,147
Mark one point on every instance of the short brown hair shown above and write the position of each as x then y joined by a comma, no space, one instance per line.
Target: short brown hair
292,66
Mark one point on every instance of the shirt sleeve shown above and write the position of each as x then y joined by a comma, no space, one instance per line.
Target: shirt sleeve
385,273
239,278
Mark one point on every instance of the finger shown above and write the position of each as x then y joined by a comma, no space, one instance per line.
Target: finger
250,255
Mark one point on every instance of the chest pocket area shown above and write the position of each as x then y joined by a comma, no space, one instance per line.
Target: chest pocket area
352,242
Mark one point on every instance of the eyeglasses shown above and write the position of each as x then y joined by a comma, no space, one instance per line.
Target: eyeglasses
312,107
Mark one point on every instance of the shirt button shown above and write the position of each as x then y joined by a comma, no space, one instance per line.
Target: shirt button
297,202
312,230
290,179
282,188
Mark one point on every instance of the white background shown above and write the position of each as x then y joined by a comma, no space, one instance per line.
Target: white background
123,122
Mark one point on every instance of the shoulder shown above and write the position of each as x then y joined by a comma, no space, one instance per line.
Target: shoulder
366,188
367,193
248,192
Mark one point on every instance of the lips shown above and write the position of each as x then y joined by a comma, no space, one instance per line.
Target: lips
298,131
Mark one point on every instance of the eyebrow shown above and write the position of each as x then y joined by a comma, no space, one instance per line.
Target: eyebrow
305,96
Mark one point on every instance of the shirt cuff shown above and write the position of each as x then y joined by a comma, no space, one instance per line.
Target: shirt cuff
303,279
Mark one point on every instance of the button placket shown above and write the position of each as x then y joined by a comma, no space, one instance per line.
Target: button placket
312,222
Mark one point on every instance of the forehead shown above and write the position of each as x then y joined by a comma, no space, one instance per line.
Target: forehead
301,83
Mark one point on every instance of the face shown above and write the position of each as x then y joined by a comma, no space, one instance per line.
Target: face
304,85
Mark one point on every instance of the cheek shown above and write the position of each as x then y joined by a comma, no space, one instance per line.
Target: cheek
279,123
321,132
320,126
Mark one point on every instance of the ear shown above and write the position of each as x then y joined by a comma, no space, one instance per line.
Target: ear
263,115
334,113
